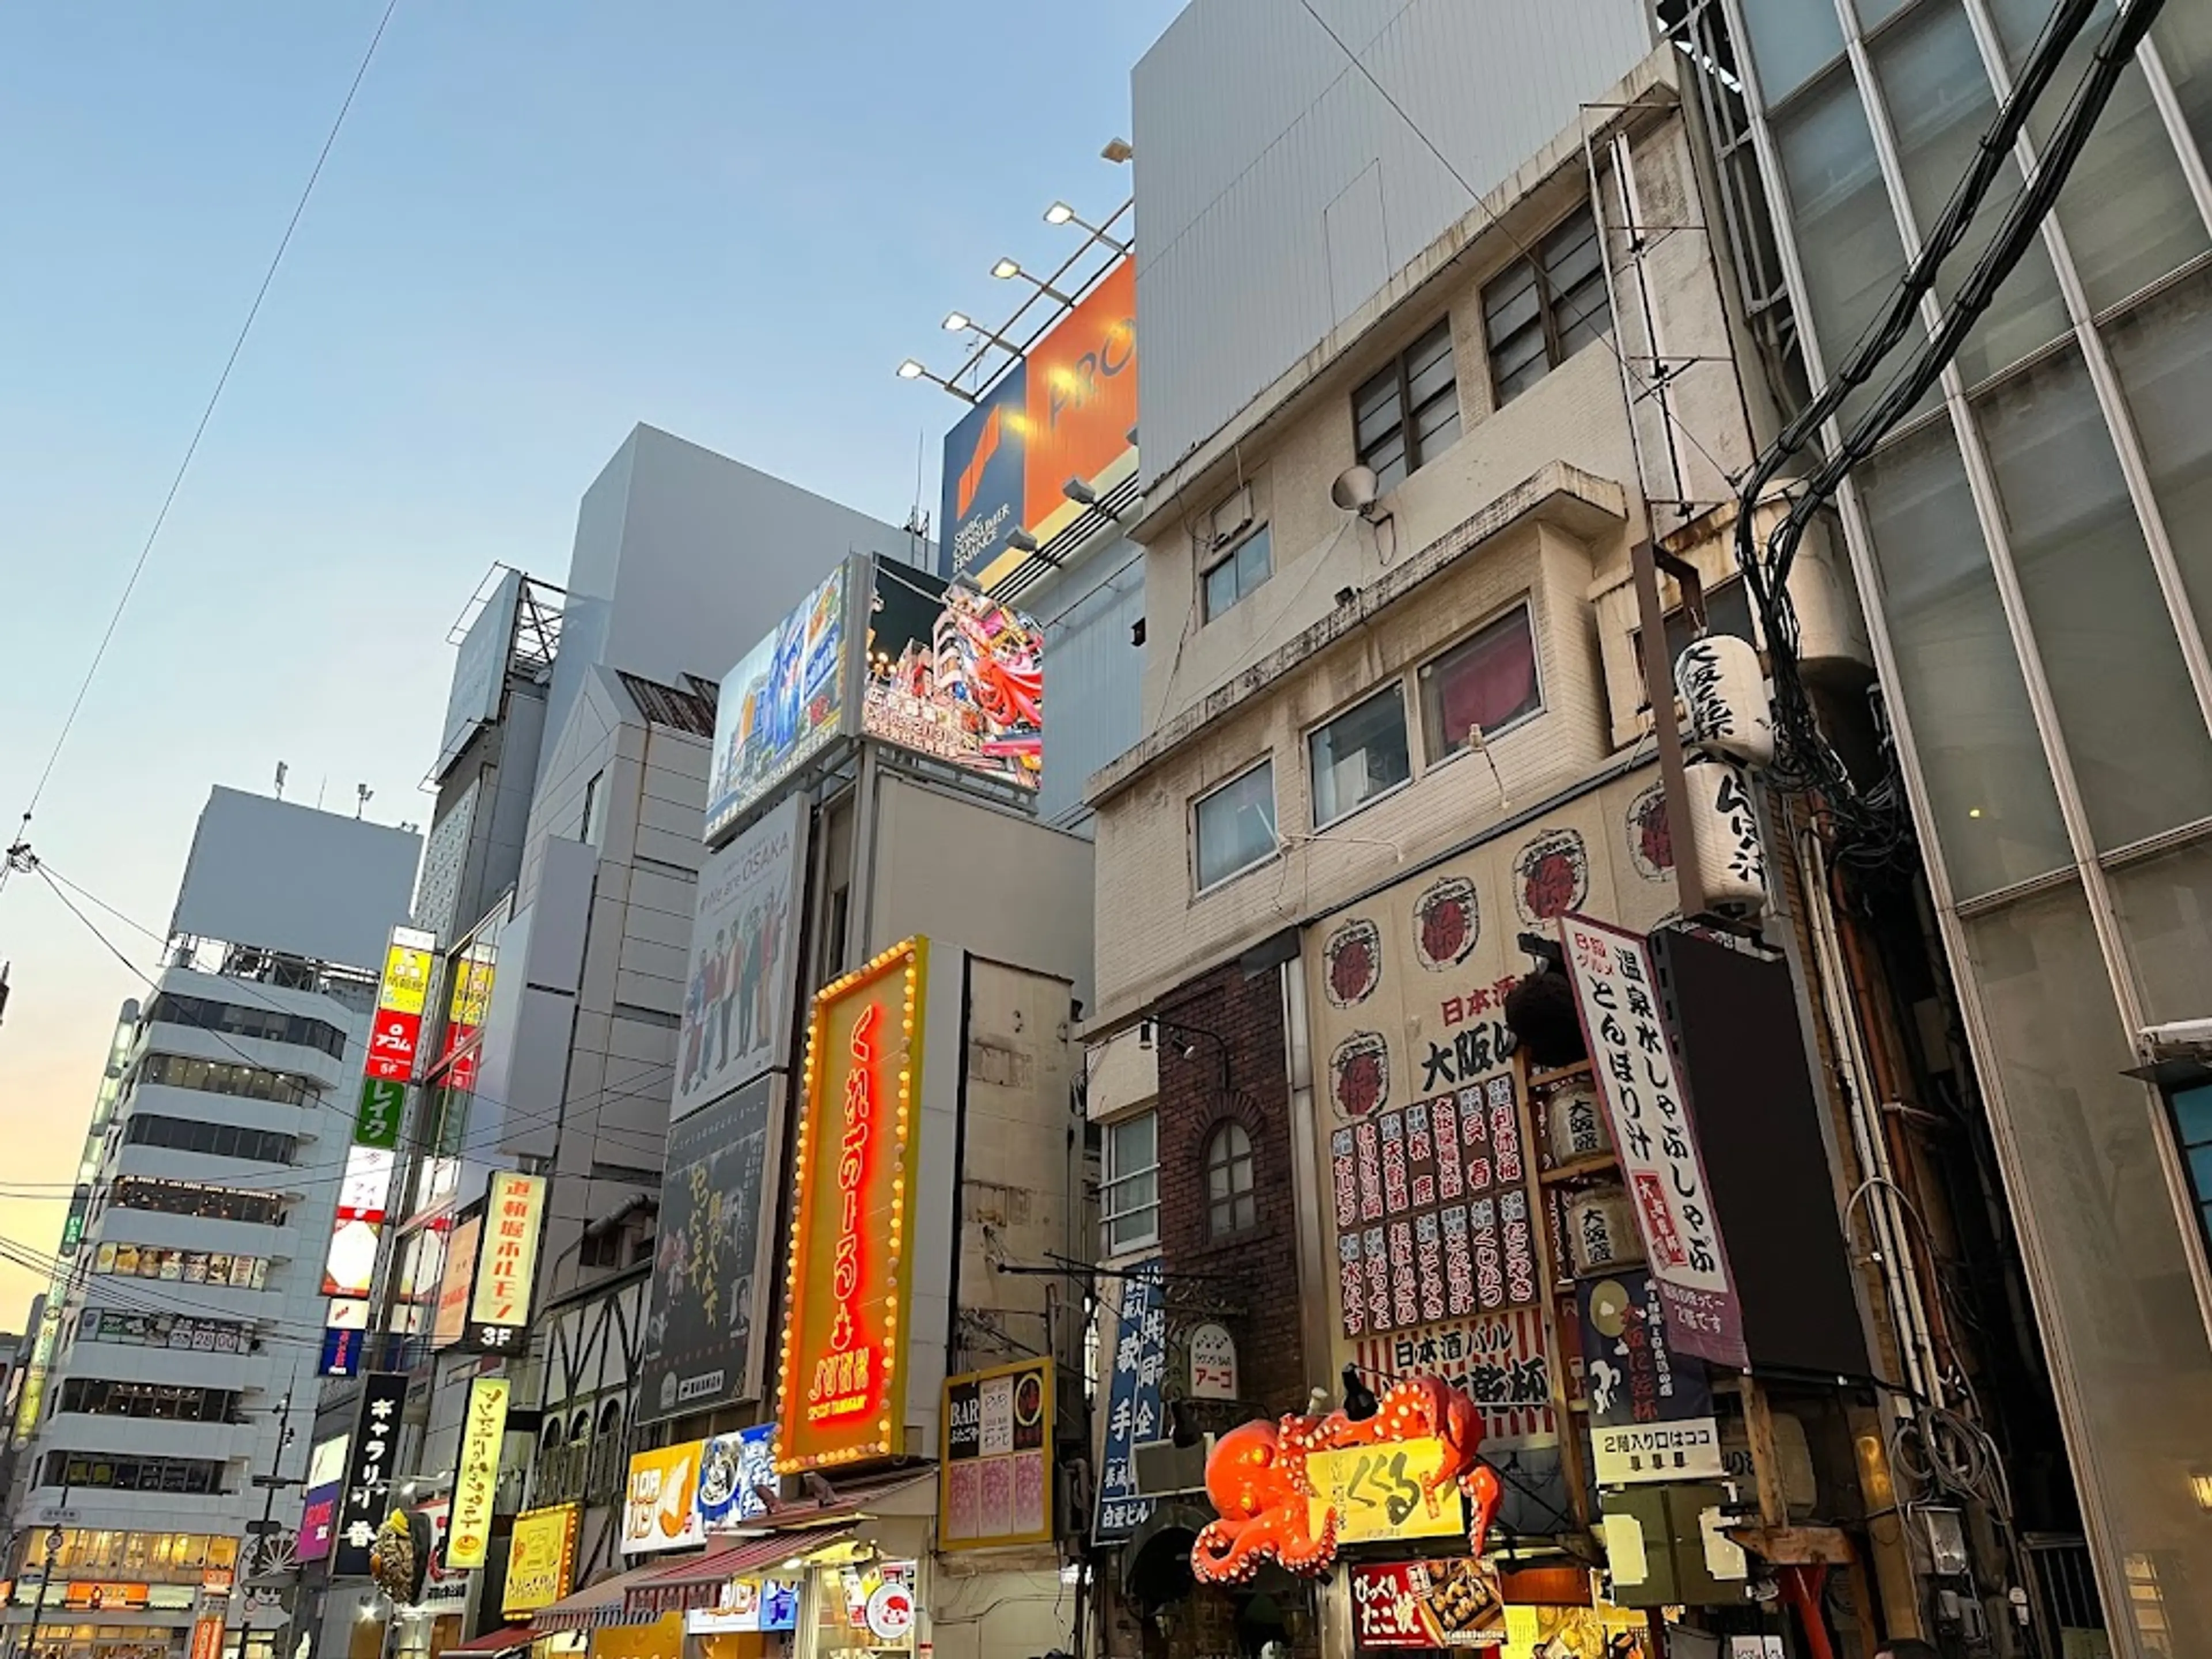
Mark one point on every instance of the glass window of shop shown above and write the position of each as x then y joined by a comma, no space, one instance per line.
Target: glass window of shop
866,1610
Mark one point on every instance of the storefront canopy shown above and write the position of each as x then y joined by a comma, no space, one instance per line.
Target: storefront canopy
499,1641
599,1606
696,1582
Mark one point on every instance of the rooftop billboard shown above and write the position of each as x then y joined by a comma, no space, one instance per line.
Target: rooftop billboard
1066,411
782,704
953,674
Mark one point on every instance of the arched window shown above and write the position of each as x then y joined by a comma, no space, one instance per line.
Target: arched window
608,1469
1230,1208
577,1469
551,1455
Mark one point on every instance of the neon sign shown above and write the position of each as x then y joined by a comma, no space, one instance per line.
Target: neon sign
843,1360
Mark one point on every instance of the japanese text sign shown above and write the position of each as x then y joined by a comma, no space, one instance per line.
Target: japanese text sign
994,1475
506,1261
660,1508
844,1397
1651,1411
364,1500
476,1475
1426,1604
1378,1493
1135,1403
541,1559
1654,1138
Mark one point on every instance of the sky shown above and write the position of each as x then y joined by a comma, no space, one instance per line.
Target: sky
544,222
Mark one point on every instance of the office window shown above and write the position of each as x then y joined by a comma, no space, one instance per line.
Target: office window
1486,681
1129,1195
217,1140
1230,1205
220,1077
198,1199
272,1024
1235,826
1234,575
1409,415
164,1474
2191,1113
1359,755
1541,310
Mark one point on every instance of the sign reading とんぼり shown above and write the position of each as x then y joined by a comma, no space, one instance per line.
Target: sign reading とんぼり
844,1372
994,1482
1654,1137
541,1559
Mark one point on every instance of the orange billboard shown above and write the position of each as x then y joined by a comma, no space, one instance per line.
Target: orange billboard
843,1396
1082,392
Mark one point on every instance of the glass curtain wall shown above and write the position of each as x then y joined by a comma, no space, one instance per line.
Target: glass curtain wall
2036,543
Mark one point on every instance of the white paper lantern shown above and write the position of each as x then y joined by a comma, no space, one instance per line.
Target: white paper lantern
1724,837
1725,696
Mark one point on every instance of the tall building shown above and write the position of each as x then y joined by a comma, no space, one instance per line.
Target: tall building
2031,545
183,1360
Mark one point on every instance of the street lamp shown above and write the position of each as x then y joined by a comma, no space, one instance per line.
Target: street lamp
55,1539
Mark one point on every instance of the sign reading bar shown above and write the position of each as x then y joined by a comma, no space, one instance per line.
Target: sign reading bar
1654,1138
844,1371
507,1263
475,1476
541,1559
994,1477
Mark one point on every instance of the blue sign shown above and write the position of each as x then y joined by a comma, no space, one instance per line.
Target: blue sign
341,1353
733,1471
985,471
1135,1410
780,1604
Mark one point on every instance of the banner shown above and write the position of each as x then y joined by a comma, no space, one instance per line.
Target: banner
954,675
738,1011
476,1475
541,1559
782,704
366,1499
1452,1603
1651,1411
660,1506
1654,1137
1135,1403
507,1263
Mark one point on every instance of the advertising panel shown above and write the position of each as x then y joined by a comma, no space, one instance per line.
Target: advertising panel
1651,1409
1452,1603
455,1281
954,675
1378,1493
734,1470
702,1344
1066,412
1135,1408
476,1475
364,1188
744,951
541,1560
781,705
479,671
507,1262
1654,1137
364,1500
660,1506
843,1394
994,1470
326,1468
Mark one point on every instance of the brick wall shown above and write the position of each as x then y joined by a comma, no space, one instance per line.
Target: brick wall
1258,1265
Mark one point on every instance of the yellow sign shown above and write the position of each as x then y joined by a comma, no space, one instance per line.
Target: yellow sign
509,1259
541,1559
994,1463
660,1511
1378,1493
475,1476
844,1341
406,985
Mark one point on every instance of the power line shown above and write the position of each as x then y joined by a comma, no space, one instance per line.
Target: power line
199,431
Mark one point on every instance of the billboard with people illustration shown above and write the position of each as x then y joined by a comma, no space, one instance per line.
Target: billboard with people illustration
737,1008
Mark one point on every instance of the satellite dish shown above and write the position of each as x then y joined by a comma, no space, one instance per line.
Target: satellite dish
1355,490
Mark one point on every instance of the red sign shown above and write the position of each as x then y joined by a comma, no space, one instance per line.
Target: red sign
207,1638
843,1394
391,1042
1426,1604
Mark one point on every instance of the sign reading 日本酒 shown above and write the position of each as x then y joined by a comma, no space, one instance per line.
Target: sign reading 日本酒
541,1559
475,1477
844,1344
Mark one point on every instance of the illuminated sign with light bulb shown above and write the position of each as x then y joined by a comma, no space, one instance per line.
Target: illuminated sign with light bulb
846,1286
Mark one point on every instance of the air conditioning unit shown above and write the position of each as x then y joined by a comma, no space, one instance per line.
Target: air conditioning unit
1164,1468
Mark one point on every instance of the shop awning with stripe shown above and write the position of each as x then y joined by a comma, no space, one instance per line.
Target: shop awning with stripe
696,1582
599,1606
499,1641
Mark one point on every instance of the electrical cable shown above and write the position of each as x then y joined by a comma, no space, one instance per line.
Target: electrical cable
207,415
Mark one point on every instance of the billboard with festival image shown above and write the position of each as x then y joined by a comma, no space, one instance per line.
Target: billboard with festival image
953,674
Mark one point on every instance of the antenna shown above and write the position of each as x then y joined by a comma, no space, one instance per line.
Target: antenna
362,795
280,769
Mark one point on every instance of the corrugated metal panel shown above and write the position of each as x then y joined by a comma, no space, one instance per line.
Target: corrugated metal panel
1257,142
1092,673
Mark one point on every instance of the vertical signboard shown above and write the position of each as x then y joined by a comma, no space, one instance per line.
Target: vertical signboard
843,1394
1654,1138
457,1278
479,670
319,1509
745,960
476,1475
994,1473
1651,1410
1138,1369
507,1262
781,705
395,1033
660,1505
703,1344
364,1501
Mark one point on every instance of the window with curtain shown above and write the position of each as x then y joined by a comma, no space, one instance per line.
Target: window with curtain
1359,755
1230,1207
1235,826
1486,681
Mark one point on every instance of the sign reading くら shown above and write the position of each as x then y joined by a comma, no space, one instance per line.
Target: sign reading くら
844,1397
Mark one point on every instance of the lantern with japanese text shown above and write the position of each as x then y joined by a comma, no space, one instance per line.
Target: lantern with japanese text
1725,696
1724,837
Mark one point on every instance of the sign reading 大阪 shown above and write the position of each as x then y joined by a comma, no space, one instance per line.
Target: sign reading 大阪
1655,1138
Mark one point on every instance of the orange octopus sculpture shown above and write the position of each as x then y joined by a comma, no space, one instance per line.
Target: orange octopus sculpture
1256,1478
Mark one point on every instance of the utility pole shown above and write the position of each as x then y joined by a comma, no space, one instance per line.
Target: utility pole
55,1539
271,1483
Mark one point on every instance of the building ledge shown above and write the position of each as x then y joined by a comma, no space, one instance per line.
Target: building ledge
1580,503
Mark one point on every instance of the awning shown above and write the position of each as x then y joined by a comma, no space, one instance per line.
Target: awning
696,1582
499,1641
599,1606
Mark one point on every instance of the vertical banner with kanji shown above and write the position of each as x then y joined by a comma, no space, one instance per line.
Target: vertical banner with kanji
1138,1366
1655,1138
367,1497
